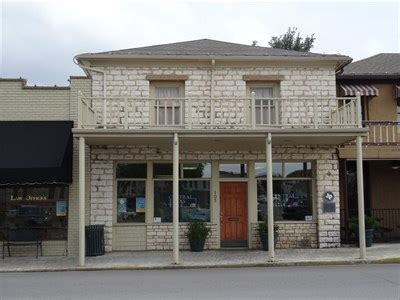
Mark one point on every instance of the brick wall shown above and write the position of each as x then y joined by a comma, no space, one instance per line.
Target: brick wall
20,102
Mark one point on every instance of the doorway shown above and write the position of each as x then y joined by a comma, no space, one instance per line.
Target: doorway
233,214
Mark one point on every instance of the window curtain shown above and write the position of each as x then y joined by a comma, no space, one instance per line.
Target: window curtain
165,113
263,92
265,109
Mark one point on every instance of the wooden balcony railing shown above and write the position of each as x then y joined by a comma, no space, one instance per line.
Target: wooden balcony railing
221,113
382,132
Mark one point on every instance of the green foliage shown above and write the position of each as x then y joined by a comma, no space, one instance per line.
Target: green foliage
198,231
370,223
254,43
263,227
291,40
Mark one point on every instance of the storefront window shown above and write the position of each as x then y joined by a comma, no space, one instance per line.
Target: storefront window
131,193
131,171
194,200
292,194
232,170
131,201
196,170
42,207
162,170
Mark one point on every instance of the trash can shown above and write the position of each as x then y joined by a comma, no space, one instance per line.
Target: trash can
94,235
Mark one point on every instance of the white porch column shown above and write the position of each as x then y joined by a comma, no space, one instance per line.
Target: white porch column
81,201
360,194
175,203
270,199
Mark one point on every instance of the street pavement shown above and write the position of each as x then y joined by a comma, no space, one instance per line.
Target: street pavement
312,282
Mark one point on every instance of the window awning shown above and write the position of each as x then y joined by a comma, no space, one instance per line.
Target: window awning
397,91
35,152
364,89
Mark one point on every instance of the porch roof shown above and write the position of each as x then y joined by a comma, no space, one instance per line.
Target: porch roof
214,140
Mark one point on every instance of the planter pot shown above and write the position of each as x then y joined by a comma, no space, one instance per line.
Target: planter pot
264,240
197,246
369,237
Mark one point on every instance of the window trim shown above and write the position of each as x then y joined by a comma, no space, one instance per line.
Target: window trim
313,187
153,84
263,84
184,179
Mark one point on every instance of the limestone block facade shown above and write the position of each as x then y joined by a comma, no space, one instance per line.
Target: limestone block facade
323,231
229,82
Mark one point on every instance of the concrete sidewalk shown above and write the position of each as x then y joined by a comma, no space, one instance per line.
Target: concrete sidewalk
378,253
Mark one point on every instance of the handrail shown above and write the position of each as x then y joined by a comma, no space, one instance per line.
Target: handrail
218,112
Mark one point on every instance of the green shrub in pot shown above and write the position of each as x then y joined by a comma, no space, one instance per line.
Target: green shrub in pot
263,232
370,225
197,234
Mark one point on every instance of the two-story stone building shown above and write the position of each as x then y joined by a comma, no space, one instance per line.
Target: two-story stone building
213,131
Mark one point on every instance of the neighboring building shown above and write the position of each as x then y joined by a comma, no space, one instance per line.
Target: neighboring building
38,162
377,78
202,91
223,104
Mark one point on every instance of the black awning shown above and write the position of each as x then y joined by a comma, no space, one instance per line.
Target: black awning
35,152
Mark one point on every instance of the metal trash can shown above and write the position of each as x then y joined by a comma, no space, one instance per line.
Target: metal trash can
94,235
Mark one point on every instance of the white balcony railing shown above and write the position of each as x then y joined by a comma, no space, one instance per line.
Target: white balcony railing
382,132
221,113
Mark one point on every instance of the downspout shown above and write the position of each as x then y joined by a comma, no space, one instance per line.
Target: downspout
104,83
212,91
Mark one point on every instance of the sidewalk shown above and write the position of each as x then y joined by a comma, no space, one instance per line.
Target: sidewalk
378,253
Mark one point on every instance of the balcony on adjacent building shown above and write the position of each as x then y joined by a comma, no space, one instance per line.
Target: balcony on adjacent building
382,132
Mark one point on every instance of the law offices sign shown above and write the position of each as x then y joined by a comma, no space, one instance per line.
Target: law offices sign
28,198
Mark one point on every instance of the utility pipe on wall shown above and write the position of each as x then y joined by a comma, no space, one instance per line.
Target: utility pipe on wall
104,83
212,90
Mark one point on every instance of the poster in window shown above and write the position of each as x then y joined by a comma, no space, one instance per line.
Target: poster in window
140,203
61,208
121,205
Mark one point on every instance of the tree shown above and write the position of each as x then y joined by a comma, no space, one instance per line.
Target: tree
291,40
254,43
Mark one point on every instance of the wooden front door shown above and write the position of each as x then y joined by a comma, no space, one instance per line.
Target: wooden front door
233,214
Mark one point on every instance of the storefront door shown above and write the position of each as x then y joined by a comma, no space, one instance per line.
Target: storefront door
233,215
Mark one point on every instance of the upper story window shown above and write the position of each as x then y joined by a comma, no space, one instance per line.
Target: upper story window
266,106
168,103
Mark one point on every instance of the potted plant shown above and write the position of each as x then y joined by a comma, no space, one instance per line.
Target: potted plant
263,232
197,235
370,225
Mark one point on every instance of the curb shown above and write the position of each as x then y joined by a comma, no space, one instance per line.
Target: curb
389,260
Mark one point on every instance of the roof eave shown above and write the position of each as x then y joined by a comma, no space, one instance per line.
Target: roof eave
339,59
368,76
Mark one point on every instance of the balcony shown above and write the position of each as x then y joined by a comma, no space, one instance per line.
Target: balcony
382,133
218,113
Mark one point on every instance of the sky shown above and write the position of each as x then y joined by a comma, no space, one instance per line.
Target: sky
39,39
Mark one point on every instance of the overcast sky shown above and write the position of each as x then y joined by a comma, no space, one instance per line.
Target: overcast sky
39,39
